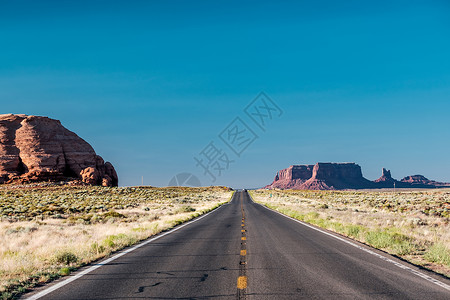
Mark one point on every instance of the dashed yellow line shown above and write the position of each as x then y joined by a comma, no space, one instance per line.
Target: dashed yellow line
242,282
242,279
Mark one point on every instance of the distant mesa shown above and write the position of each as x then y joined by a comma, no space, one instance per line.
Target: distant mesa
341,176
36,149
422,180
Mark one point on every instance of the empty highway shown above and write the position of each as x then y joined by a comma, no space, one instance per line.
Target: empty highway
243,250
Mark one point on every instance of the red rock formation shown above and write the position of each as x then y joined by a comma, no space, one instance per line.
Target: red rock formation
415,180
386,180
331,176
385,176
292,177
323,176
36,148
336,176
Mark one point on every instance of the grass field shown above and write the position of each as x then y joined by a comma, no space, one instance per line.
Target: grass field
47,232
413,225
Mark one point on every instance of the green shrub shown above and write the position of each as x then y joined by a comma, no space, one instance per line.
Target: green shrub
66,257
118,241
353,230
6,296
186,208
312,215
113,214
64,271
96,248
379,239
398,243
438,253
338,227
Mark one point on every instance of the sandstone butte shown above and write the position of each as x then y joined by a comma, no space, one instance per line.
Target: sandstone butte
37,149
340,176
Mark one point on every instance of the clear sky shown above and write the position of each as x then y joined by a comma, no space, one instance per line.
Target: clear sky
150,84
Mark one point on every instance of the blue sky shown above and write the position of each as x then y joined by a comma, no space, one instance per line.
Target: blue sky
150,84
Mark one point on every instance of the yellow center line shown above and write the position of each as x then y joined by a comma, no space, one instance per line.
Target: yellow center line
242,279
242,282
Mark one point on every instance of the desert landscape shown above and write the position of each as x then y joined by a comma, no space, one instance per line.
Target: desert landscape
61,209
224,150
412,224
49,231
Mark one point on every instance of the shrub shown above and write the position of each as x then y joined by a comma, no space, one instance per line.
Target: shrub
399,243
118,241
379,239
64,271
113,214
438,253
353,230
186,208
96,248
66,257
312,215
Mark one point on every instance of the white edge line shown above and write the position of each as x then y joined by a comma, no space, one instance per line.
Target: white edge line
415,272
121,253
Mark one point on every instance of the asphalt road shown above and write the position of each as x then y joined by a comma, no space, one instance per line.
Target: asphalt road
243,250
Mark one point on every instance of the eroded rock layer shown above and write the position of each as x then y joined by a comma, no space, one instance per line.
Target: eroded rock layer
36,149
339,176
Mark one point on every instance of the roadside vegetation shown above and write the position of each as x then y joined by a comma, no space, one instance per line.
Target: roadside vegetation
48,232
413,225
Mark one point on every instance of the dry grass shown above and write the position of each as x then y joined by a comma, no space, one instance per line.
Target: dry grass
411,224
48,232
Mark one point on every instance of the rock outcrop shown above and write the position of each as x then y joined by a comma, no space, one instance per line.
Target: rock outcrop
386,180
420,180
417,179
36,149
321,176
385,176
339,176
336,176
293,177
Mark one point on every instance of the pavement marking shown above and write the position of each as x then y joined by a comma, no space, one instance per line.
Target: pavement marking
121,253
406,268
242,279
242,282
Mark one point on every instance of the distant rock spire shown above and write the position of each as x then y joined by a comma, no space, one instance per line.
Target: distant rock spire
386,173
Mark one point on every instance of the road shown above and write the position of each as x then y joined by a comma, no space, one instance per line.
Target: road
243,250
